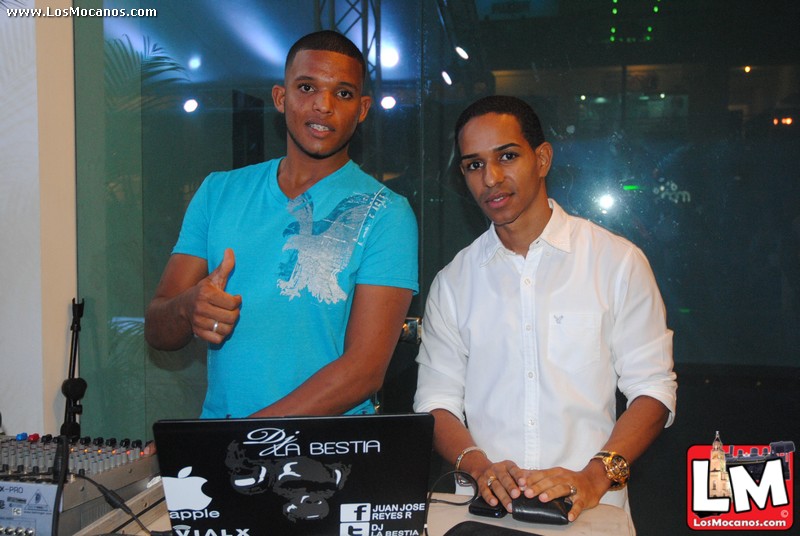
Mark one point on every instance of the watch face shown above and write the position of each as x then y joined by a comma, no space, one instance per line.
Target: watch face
617,469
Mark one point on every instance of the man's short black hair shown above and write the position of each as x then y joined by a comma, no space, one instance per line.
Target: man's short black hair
330,41
502,104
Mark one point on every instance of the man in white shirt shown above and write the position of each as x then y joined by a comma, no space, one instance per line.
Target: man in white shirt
530,330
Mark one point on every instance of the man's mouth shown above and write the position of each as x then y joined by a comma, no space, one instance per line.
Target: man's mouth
496,199
319,128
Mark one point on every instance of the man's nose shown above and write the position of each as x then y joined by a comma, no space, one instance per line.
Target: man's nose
493,175
323,102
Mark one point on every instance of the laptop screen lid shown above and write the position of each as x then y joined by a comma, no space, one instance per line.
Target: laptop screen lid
362,475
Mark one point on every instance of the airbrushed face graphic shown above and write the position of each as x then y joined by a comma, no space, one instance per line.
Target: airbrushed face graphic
306,483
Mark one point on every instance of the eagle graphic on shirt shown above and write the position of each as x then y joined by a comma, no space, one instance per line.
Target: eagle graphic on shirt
322,249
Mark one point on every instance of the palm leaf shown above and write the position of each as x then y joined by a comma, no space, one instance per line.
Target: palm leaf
136,79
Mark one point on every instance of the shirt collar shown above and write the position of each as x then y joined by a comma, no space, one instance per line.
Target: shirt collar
556,234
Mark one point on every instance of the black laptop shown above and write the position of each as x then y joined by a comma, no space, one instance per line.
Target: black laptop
363,475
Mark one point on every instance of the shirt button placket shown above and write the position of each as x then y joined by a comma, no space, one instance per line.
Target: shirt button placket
528,298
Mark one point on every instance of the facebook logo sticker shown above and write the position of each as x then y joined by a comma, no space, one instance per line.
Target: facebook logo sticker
355,519
356,512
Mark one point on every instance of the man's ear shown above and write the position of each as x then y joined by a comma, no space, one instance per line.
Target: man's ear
544,153
366,102
278,96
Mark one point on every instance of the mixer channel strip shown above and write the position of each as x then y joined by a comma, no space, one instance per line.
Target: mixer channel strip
28,486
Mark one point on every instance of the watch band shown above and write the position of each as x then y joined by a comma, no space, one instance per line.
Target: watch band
617,468
459,478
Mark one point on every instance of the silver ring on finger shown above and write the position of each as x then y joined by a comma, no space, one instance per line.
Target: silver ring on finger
216,325
572,490
490,481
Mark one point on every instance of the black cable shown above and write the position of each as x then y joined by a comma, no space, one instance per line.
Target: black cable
60,470
430,499
113,498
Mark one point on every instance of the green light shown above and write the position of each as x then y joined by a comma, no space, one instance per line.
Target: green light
649,28
631,187
612,38
655,9
614,11
684,310
647,38
613,30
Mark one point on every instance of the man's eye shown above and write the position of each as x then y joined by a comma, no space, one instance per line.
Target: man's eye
508,156
344,94
305,88
472,166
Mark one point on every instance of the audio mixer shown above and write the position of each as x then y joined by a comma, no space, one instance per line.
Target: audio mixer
28,485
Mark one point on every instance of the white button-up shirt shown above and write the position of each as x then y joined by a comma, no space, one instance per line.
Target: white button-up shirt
529,351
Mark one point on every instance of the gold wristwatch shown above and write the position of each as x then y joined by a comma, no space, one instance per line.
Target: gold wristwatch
617,469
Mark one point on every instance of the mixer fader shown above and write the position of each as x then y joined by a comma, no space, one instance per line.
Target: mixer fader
28,483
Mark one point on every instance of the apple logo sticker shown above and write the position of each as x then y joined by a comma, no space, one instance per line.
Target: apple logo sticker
185,492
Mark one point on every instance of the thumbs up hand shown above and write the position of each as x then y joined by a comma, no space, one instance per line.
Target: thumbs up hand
219,277
215,311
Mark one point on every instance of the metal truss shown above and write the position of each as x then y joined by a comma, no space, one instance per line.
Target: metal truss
363,18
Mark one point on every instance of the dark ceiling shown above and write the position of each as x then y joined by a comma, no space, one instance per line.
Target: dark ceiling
245,41
726,32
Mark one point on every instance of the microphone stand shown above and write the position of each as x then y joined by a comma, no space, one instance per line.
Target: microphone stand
73,387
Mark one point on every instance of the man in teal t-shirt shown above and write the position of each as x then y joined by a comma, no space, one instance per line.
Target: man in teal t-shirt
298,271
